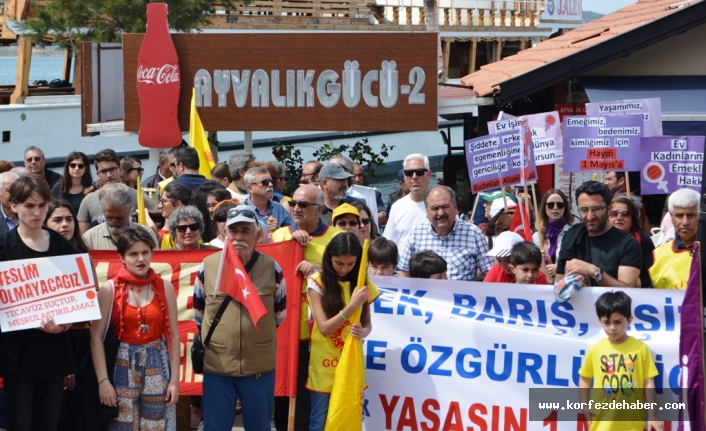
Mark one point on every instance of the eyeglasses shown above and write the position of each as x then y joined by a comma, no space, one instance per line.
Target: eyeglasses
245,213
264,183
139,170
173,165
585,210
552,205
165,201
221,218
302,204
193,227
77,165
615,213
419,172
308,175
104,172
365,221
351,223
35,159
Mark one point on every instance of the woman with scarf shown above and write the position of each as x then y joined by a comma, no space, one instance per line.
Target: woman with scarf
141,307
625,215
553,220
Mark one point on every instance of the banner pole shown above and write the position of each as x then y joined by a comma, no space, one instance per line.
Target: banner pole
504,198
534,199
475,206
627,184
292,413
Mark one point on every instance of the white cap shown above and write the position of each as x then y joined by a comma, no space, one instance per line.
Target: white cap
498,205
503,243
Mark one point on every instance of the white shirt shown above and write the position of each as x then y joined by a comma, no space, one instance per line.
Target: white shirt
405,215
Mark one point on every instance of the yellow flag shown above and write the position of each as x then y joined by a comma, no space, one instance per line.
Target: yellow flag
345,409
141,218
198,140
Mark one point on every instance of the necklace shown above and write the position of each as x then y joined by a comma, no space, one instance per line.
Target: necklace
144,327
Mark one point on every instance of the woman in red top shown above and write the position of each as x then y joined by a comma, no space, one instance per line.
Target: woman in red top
142,310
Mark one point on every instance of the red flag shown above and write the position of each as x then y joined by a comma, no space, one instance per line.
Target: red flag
239,287
520,222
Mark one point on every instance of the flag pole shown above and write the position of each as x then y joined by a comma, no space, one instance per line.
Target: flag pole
627,184
292,413
534,199
475,206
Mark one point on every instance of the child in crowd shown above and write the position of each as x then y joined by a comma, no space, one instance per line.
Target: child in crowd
333,298
503,271
622,369
382,257
427,264
525,261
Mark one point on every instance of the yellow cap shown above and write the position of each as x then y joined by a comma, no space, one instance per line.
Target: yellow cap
344,209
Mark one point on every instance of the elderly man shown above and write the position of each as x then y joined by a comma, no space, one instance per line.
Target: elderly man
238,164
239,360
259,184
673,258
595,249
409,212
187,168
35,164
334,184
163,171
117,204
173,174
307,203
107,168
461,244
310,173
8,219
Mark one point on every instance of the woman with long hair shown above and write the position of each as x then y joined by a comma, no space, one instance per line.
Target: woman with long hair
131,169
368,229
624,214
173,196
61,218
553,220
76,182
141,307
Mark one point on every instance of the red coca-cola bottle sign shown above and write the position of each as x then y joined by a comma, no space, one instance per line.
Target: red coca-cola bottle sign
158,83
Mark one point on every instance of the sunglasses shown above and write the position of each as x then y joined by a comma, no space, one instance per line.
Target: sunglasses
365,221
173,165
302,204
246,213
351,223
34,159
266,182
139,170
419,172
552,205
221,218
193,227
615,213
104,172
76,165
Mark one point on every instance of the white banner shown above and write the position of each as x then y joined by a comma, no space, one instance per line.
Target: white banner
62,287
451,355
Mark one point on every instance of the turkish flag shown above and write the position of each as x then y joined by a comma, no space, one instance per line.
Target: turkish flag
520,222
233,280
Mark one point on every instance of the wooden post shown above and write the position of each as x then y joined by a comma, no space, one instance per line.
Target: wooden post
292,413
475,206
24,57
472,59
504,198
534,200
68,58
447,55
498,49
627,184
78,73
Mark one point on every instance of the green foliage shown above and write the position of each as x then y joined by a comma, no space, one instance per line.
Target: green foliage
360,152
76,21
292,159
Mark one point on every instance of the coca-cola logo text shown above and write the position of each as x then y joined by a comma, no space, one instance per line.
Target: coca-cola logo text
167,74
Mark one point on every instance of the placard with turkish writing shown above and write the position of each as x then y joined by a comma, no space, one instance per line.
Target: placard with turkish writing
602,143
496,161
61,286
546,135
670,163
650,109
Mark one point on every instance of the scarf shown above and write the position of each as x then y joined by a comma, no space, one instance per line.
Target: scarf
637,236
554,228
121,282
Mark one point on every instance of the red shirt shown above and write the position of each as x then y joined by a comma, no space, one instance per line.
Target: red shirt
498,275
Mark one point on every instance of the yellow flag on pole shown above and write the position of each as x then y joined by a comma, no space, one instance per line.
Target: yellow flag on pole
199,141
345,411
141,216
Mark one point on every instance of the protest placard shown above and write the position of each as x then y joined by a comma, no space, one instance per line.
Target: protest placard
496,161
546,135
567,182
650,109
670,163
604,143
62,287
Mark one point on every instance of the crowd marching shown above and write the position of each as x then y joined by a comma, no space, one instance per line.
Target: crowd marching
598,237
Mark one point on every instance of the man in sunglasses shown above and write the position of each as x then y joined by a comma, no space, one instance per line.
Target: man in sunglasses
35,164
595,249
260,187
187,168
334,184
310,173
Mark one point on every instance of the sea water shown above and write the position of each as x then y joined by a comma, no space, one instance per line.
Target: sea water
41,68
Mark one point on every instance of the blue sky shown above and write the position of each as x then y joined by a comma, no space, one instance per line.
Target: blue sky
605,6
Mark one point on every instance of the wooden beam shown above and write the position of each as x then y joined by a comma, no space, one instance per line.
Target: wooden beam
24,57
68,57
498,49
447,55
472,55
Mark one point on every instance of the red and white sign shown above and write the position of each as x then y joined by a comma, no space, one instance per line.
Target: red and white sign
166,74
62,287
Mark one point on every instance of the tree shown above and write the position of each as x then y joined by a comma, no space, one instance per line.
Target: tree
70,22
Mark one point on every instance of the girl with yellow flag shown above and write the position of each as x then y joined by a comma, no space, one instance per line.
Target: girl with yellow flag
339,309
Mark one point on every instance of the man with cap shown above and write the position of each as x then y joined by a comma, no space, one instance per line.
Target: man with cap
334,184
461,244
501,272
240,359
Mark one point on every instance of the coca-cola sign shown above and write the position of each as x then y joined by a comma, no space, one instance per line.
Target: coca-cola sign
166,74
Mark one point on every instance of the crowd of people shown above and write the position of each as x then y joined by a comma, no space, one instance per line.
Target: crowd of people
133,349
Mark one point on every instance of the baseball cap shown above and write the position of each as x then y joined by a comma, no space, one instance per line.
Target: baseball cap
241,214
344,209
503,243
498,205
400,175
335,171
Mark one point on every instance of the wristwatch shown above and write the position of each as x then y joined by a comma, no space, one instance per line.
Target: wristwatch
598,276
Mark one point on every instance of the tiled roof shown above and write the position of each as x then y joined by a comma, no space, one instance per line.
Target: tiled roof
490,76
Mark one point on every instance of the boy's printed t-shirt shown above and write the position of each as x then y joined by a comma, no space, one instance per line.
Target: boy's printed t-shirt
617,369
326,351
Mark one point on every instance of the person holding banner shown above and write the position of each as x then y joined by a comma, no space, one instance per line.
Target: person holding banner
141,307
553,220
34,362
333,298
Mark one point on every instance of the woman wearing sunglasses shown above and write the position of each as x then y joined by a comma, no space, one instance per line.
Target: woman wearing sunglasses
553,220
76,182
367,229
131,169
186,226
625,215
